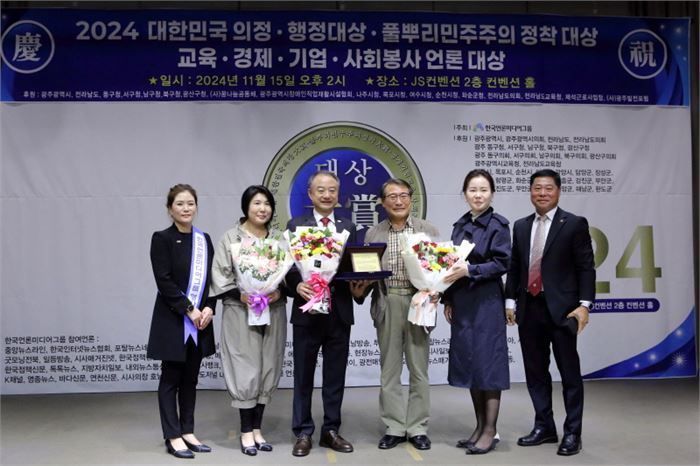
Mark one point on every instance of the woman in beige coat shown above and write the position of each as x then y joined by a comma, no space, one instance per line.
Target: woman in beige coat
251,355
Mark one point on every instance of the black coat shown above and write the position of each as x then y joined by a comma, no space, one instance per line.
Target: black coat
171,255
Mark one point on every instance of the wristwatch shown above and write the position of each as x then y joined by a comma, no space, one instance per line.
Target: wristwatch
190,308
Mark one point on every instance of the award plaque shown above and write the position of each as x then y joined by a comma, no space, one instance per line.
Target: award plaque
362,262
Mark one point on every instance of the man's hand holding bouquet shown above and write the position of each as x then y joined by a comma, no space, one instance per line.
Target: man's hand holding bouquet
316,253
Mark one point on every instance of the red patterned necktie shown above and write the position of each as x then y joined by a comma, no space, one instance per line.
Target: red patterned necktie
325,221
534,277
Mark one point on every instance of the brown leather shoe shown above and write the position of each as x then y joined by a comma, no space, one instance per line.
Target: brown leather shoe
302,446
332,439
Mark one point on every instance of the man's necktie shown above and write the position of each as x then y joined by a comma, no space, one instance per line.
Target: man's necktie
534,277
325,221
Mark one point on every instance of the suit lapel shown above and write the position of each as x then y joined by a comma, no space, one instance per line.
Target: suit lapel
418,225
557,223
305,221
382,235
309,220
525,238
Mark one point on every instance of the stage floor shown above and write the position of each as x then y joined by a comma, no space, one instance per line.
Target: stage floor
627,422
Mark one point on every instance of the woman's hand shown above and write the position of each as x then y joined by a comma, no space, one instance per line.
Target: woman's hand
195,316
448,313
244,299
458,271
207,315
274,296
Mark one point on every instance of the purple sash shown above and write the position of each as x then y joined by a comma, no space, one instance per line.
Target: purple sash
198,277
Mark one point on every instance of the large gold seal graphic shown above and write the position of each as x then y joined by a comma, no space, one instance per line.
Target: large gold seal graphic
362,156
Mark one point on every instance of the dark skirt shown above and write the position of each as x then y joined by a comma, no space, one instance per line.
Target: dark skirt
478,343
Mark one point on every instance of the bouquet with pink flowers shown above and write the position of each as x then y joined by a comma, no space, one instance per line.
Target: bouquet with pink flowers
260,267
427,262
316,252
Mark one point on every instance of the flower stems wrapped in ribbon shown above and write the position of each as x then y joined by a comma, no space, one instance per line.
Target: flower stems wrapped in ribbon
260,267
316,253
258,303
322,293
427,263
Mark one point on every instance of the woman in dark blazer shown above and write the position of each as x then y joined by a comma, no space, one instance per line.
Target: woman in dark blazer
181,331
474,306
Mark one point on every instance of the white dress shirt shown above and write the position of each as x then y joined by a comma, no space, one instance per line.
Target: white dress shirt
331,217
510,303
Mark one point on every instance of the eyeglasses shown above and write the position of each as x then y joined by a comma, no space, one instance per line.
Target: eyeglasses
396,196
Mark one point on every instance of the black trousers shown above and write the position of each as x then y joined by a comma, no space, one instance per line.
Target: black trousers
537,332
178,389
330,334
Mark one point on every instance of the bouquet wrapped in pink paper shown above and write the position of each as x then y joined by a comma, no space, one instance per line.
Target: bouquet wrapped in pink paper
260,267
316,252
427,262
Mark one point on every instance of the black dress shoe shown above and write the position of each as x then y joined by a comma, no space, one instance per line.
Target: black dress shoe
302,446
263,446
390,441
474,450
538,436
332,439
250,451
201,448
177,453
570,445
464,443
420,442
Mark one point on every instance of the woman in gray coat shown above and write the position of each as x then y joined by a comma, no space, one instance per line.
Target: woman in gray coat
251,355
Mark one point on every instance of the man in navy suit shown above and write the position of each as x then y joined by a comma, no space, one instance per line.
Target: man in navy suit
552,280
329,332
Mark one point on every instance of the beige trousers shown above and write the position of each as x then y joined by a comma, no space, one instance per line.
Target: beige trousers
252,356
398,337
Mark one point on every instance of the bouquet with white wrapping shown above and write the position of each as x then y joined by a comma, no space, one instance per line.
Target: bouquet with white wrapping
427,262
260,265
316,253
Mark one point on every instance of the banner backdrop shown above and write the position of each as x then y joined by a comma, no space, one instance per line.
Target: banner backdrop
83,187
93,55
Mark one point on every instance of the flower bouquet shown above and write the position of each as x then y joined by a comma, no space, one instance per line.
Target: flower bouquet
316,252
427,262
260,267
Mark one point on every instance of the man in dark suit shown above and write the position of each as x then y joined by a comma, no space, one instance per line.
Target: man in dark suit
313,331
552,280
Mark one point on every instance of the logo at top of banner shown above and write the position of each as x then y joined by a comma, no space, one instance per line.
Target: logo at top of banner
642,53
363,157
27,47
